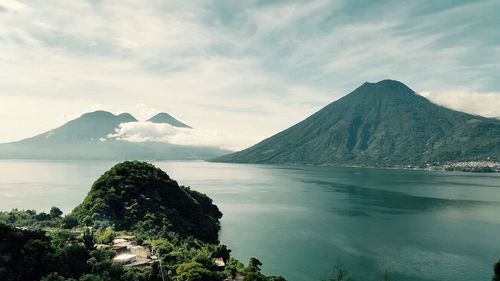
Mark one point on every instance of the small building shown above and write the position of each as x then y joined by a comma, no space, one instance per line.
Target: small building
140,251
219,262
120,241
238,277
102,246
121,246
126,237
129,253
140,263
125,258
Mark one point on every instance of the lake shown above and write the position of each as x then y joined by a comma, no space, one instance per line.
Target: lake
299,220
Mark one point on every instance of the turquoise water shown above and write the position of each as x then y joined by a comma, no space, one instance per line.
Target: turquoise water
416,225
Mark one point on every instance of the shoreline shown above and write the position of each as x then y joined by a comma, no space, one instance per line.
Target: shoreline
447,167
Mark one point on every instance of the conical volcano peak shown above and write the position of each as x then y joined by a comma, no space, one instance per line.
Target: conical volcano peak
391,82
127,117
384,90
385,86
379,124
165,118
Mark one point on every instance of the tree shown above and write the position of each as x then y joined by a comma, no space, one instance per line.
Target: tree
139,274
55,212
69,222
222,251
88,239
62,237
276,278
496,270
194,271
94,277
107,236
43,216
74,257
24,255
54,276
254,264
339,273
252,272
100,260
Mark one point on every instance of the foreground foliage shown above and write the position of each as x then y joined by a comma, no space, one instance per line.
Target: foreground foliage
180,225
33,255
62,255
32,219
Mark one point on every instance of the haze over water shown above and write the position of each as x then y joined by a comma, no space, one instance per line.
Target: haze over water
299,220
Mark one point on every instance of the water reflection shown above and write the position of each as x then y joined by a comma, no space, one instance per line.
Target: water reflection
396,202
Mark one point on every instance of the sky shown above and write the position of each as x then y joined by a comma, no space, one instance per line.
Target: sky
239,70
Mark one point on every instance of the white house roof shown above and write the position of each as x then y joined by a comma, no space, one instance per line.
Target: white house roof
124,257
219,262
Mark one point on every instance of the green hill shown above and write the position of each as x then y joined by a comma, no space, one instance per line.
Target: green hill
138,196
379,124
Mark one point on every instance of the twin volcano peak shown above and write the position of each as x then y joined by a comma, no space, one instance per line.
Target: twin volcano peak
95,126
106,115
160,118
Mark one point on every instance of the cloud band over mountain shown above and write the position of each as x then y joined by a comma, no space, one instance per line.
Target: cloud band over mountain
148,131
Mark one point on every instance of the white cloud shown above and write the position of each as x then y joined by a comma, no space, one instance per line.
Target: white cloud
14,6
484,104
148,131
280,16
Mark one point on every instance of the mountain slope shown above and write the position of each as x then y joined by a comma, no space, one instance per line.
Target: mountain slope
167,119
379,124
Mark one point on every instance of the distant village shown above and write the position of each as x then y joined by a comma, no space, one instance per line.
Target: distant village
473,166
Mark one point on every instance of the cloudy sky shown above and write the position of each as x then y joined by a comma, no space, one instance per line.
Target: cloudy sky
246,69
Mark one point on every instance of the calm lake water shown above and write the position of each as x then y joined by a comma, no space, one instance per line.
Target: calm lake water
416,225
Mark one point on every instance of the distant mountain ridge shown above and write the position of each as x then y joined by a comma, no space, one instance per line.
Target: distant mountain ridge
379,124
87,137
92,126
